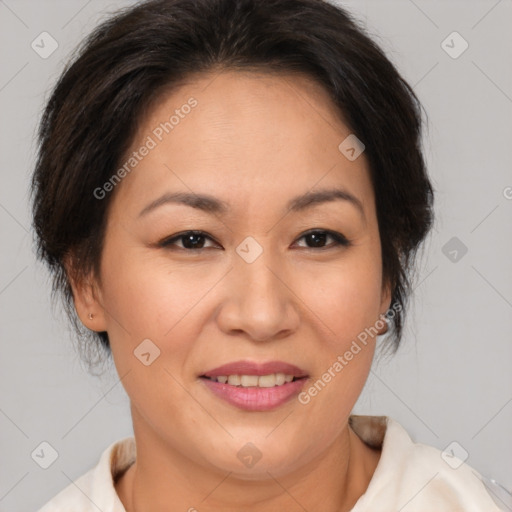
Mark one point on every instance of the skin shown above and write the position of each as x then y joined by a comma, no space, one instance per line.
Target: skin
255,140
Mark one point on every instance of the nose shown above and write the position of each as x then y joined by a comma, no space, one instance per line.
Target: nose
258,300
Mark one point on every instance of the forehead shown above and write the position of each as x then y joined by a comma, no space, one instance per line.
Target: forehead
243,136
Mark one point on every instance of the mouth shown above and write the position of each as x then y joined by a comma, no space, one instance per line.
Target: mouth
255,386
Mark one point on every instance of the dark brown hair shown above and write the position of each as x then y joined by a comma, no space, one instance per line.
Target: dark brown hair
96,106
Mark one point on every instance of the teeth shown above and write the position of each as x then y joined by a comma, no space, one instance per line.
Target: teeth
266,381
246,381
234,380
249,380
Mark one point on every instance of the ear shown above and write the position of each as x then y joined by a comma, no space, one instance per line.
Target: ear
385,302
86,296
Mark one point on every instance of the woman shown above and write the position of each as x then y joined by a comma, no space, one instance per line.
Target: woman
230,195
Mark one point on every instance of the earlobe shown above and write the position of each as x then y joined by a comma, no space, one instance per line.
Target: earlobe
382,325
89,306
86,297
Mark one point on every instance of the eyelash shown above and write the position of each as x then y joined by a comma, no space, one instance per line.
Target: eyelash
339,239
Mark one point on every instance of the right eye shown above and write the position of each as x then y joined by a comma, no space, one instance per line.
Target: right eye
191,240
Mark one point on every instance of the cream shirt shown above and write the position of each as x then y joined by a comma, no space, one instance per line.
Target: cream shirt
410,477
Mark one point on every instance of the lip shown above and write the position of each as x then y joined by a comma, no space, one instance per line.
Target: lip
255,398
254,368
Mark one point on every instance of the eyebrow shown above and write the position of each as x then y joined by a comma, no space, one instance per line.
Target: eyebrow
213,205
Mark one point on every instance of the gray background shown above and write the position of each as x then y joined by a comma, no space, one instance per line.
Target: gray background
451,379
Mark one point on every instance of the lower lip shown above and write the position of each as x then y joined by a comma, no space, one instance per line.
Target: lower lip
255,398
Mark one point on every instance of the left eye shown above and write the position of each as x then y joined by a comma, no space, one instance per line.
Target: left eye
318,237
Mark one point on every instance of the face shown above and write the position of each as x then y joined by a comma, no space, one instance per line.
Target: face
274,286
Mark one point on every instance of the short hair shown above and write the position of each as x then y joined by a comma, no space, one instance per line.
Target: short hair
146,49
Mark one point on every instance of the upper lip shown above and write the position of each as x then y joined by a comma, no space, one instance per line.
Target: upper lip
255,368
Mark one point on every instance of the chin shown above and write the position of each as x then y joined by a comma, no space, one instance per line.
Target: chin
258,460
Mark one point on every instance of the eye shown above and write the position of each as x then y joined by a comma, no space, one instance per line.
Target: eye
194,240
318,237
191,240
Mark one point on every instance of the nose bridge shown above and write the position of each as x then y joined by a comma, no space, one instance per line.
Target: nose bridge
258,302
260,286
258,277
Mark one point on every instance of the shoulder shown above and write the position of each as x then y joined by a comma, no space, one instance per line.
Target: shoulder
415,477
95,489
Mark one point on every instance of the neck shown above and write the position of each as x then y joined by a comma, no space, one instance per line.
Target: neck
332,482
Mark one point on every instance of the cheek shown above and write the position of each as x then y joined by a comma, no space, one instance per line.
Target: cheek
345,297
148,301
149,296
347,305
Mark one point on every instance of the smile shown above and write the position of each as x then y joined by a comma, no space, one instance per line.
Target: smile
255,386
